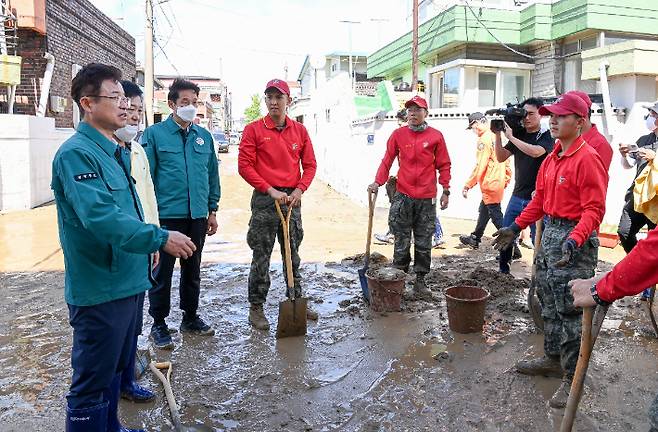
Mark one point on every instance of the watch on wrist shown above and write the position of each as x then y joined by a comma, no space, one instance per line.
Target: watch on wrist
446,192
596,297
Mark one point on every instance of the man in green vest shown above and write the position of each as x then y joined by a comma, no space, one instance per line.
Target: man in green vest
185,174
106,248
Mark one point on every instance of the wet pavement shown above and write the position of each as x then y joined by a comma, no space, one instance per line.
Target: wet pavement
355,371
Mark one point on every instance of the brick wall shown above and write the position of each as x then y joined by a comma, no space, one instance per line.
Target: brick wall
547,76
31,47
76,33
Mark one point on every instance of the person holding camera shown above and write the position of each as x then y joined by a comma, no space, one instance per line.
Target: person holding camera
529,148
570,195
637,155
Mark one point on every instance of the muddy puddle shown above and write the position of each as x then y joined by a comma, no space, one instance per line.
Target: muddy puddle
355,371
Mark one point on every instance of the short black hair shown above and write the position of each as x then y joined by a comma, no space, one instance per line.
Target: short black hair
89,80
181,84
131,89
534,101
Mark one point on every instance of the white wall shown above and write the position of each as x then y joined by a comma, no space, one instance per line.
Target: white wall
27,147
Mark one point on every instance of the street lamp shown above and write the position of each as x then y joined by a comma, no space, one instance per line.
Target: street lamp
349,35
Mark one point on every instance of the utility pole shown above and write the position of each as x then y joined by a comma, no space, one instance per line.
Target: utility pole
414,50
148,64
379,22
349,35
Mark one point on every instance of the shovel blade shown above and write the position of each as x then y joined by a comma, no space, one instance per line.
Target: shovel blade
292,318
364,284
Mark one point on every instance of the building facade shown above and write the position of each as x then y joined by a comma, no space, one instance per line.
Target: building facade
75,33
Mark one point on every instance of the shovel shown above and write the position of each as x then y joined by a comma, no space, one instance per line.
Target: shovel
652,295
171,401
592,322
533,301
372,198
292,312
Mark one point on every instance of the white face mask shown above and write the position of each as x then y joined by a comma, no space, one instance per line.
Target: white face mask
127,133
651,123
186,113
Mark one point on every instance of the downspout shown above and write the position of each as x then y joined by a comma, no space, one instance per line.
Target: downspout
45,85
607,105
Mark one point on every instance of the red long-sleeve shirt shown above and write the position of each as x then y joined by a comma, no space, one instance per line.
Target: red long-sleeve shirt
572,186
637,271
419,155
271,158
598,142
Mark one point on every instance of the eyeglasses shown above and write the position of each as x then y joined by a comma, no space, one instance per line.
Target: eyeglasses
120,100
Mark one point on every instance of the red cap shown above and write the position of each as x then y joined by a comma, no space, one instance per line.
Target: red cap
416,100
278,84
566,104
583,96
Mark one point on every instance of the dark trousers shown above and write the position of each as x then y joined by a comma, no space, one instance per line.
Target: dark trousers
630,224
190,272
488,212
103,336
514,208
410,216
264,228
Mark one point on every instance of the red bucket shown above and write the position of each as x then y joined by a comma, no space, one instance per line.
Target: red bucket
466,305
386,289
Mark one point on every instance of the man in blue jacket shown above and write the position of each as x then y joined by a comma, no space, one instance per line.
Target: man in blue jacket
185,174
106,247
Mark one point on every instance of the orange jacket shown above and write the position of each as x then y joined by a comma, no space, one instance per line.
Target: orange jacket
493,176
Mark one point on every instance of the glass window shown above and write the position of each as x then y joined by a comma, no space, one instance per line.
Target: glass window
516,86
589,43
450,94
486,88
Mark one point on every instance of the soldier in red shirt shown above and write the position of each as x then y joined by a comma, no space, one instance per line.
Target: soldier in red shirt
420,151
570,195
591,134
271,152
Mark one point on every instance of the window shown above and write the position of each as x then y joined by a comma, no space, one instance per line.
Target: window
572,72
327,114
516,85
486,88
334,67
450,88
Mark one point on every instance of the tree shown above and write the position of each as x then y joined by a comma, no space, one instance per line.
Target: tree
253,111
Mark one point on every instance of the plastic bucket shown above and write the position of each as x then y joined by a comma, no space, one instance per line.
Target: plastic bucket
385,289
466,306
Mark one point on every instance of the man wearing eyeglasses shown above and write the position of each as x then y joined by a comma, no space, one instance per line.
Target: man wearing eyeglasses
106,249
421,152
185,173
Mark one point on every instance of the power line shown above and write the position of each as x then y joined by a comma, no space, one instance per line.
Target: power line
166,56
504,44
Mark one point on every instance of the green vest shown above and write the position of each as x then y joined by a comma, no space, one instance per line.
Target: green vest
185,172
106,245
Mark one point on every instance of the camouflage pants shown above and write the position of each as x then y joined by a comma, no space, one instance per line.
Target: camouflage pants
264,227
562,321
653,415
406,216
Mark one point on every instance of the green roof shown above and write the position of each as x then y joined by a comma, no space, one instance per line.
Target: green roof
536,22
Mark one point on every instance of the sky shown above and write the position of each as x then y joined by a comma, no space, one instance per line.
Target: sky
249,42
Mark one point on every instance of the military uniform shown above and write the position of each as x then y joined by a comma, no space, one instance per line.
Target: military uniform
106,250
270,156
185,175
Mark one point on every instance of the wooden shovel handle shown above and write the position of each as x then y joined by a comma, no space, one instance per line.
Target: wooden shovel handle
285,223
581,371
372,199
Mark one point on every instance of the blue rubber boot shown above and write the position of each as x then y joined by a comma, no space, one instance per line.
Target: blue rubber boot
112,396
93,419
129,388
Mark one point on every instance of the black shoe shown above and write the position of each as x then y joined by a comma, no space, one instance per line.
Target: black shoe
516,255
469,240
196,326
161,337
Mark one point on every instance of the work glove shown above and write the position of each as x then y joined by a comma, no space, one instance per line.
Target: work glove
504,237
568,249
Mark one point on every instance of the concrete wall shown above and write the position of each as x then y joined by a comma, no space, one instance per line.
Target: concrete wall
27,147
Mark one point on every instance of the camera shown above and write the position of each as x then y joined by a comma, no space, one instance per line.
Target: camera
513,115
